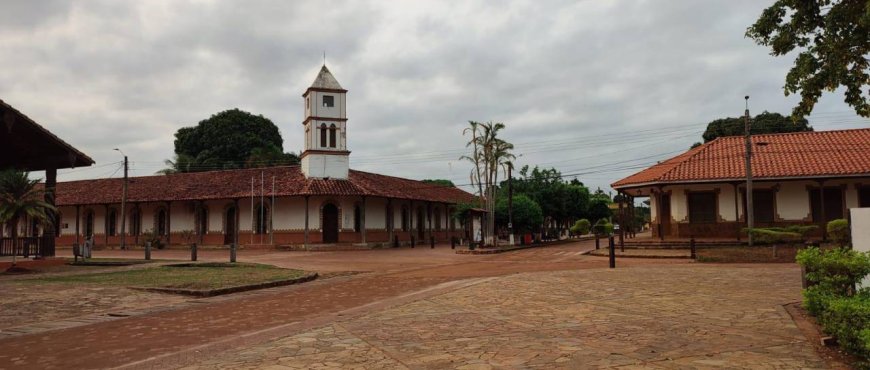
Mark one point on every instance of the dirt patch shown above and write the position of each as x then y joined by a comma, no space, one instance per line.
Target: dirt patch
808,325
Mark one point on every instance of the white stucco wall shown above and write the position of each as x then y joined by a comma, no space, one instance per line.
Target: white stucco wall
860,225
376,213
325,165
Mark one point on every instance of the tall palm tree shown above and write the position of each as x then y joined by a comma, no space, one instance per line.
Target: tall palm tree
19,198
489,154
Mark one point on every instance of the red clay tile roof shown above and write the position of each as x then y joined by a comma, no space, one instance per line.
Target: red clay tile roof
237,184
841,153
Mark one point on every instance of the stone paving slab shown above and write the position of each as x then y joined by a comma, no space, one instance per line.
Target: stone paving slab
683,317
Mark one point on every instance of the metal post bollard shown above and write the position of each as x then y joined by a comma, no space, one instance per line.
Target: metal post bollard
612,252
193,252
597,238
692,248
453,242
233,253
412,241
432,242
148,251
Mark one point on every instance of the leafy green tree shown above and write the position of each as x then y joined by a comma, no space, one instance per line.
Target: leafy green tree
599,206
527,215
562,202
229,139
832,40
20,197
763,123
440,182
269,156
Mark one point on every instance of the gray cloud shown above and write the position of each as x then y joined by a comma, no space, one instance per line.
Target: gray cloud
580,84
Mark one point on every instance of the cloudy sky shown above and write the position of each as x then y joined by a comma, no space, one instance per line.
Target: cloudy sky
594,88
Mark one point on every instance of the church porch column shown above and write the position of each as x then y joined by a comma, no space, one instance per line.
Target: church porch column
306,222
362,221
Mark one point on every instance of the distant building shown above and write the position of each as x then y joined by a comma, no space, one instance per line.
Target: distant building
27,146
799,179
320,202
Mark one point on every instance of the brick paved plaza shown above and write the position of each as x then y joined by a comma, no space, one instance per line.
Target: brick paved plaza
653,317
549,307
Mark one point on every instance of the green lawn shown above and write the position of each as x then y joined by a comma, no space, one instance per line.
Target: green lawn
197,276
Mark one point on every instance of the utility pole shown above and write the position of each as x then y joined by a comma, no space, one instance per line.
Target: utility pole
510,204
750,219
124,202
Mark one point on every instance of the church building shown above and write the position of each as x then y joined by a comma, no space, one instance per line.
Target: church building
321,202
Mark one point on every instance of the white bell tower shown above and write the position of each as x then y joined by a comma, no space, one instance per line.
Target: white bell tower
326,154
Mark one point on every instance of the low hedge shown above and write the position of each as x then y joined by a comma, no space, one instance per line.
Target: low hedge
833,297
771,236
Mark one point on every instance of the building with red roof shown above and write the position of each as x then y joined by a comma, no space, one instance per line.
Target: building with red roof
321,201
799,178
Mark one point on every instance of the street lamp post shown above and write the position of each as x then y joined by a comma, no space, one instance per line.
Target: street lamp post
124,203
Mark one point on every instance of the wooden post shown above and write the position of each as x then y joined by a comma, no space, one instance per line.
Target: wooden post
106,226
659,215
237,220
391,220
612,247
49,231
306,222
736,213
429,218
621,223
822,210
362,217
78,217
169,224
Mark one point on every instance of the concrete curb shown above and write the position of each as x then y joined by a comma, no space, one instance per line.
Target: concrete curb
234,289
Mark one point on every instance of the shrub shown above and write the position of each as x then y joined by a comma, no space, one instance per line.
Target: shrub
603,227
838,232
848,319
842,311
839,270
803,230
771,236
581,227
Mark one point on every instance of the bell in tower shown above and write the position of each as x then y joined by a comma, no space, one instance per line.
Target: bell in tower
325,154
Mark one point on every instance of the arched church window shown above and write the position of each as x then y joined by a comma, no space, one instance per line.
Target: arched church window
332,136
323,135
160,222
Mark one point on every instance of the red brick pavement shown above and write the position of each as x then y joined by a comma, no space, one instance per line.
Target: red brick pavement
119,342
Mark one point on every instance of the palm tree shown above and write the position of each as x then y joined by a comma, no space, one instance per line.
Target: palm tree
489,154
19,198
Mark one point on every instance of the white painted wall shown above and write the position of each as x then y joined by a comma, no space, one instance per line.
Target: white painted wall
324,165
376,213
792,200
861,232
